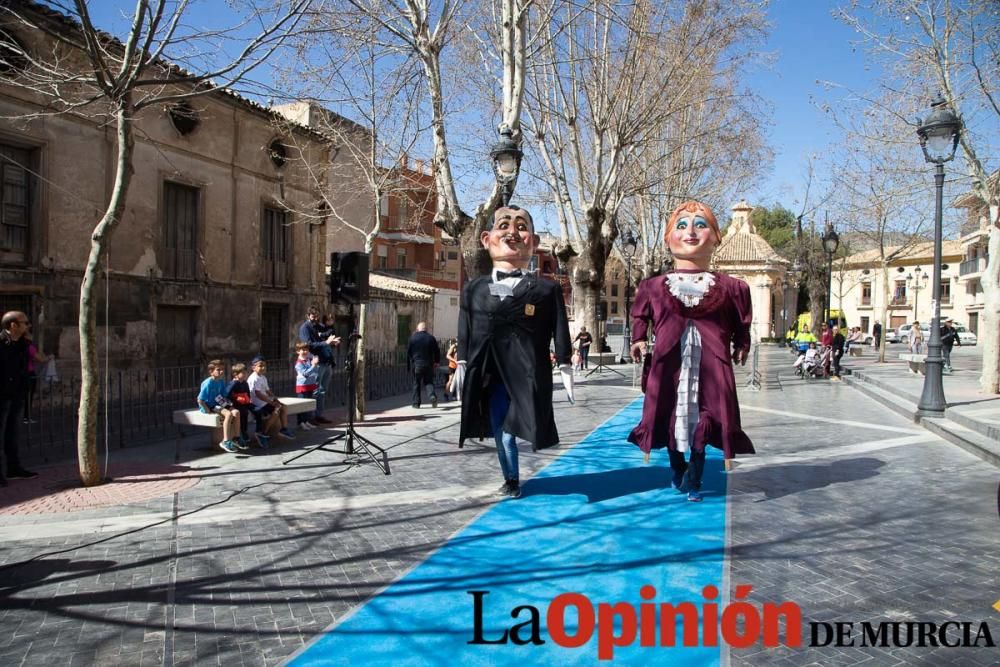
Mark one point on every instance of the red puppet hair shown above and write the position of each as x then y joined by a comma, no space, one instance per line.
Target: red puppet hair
693,207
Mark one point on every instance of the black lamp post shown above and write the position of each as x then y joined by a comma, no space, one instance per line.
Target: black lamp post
506,155
939,134
628,250
831,241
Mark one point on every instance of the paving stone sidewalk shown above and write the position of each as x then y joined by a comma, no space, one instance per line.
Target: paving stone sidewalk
257,557
858,514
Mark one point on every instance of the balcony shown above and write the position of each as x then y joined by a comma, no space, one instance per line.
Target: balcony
973,266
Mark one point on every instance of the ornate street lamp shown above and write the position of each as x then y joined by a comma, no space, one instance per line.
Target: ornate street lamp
506,155
628,250
939,135
831,241
916,281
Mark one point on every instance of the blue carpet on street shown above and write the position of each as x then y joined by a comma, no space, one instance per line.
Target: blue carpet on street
596,521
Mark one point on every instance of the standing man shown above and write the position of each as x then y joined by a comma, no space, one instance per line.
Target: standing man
949,336
320,344
584,339
877,334
422,356
506,322
13,387
838,352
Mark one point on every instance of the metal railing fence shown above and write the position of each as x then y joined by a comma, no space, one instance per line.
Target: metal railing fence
136,405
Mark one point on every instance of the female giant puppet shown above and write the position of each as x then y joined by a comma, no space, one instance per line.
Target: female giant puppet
701,321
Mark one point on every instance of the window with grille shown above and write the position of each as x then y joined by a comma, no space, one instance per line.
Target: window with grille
400,259
180,230
866,294
275,240
274,330
946,290
15,202
21,302
614,290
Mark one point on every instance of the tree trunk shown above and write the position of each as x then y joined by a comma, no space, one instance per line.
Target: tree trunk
86,433
989,332
885,313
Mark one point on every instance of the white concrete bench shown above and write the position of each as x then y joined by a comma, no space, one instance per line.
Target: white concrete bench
916,362
195,417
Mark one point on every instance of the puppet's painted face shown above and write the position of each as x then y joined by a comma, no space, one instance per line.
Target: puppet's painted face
692,237
512,239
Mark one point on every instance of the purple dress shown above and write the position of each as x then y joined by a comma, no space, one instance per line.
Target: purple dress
722,322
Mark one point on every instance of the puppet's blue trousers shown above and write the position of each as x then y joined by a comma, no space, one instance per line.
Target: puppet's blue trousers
506,444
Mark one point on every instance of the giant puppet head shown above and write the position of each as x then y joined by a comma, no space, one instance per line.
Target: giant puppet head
512,240
692,234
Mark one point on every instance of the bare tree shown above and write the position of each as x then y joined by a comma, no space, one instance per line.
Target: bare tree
624,101
90,72
877,193
953,48
343,64
424,30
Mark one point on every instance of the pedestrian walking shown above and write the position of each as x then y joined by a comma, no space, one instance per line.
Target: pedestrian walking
837,346
506,322
422,356
916,339
321,340
877,334
949,338
13,387
701,322
583,342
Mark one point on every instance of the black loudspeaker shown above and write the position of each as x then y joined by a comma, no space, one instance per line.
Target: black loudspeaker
602,311
349,278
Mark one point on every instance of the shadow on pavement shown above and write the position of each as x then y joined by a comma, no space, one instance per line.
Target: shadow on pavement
783,480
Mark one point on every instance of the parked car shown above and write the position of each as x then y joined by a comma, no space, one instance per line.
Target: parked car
965,337
902,334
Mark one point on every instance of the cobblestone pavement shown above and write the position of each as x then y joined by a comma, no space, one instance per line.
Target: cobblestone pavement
257,558
849,510
858,515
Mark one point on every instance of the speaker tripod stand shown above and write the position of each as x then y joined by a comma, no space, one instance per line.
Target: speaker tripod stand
350,436
601,366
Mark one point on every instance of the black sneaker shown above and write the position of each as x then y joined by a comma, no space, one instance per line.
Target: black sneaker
514,491
21,473
434,401
504,488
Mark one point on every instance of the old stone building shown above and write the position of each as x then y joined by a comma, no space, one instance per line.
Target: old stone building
213,255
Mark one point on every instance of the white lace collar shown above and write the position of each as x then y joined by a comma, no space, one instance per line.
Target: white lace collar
690,288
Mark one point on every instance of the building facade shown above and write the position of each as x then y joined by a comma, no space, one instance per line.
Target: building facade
861,289
211,257
744,254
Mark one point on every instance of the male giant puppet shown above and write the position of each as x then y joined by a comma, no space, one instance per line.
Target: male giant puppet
506,322
701,321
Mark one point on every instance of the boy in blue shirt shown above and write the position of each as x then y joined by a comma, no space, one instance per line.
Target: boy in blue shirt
212,400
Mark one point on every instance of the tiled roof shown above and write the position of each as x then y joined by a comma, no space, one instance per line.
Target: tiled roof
387,287
923,251
745,247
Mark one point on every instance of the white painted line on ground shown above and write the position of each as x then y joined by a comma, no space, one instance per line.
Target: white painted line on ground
830,420
834,452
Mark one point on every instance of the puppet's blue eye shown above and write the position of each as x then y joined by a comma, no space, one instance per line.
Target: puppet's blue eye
700,223
682,224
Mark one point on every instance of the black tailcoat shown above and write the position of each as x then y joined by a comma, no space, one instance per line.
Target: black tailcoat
510,338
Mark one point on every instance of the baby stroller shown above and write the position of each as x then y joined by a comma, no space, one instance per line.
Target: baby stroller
819,366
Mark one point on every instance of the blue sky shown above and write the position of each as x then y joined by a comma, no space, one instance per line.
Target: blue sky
808,45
